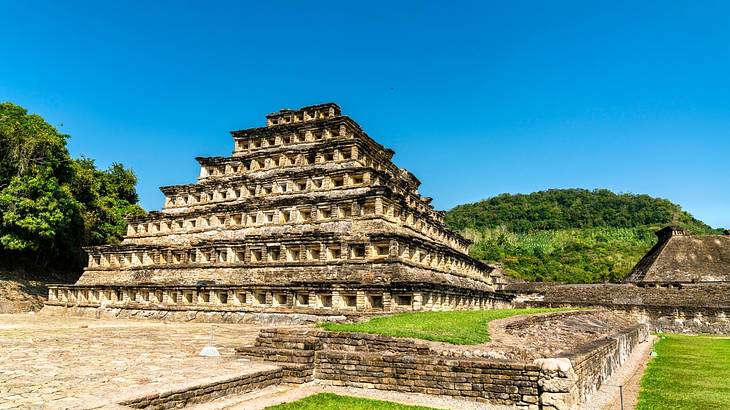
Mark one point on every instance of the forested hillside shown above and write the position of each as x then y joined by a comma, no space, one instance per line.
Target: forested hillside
51,204
568,235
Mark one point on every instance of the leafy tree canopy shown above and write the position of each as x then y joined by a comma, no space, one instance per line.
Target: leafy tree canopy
568,235
571,208
36,210
51,204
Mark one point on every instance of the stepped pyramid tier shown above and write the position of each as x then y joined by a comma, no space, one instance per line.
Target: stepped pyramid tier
679,257
309,213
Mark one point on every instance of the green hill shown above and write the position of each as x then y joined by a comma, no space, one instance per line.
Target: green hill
568,235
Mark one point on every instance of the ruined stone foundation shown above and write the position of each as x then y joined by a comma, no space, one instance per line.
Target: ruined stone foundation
308,215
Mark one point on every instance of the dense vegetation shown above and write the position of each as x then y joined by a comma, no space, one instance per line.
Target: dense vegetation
568,235
462,327
689,372
571,208
51,204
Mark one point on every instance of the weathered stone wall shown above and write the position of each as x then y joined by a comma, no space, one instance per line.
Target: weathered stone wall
205,316
493,382
386,363
364,272
322,299
593,363
689,308
363,342
679,257
202,393
686,295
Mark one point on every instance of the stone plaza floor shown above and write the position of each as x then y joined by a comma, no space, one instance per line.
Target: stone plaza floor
51,362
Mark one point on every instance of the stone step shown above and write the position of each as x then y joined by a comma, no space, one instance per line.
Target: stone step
297,373
253,400
288,344
199,392
279,356
305,340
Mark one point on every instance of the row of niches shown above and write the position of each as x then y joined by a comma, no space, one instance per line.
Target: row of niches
347,180
312,113
234,167
292,253
283,160
303,214
276,187
289,215
310,157
285,139
350,299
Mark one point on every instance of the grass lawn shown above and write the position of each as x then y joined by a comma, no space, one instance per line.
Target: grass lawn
329,401
689,372
467,327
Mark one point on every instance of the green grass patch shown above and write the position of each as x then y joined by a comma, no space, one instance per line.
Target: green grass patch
467,327
329,401
689,372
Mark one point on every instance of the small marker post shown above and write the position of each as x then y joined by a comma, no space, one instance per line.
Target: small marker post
621,393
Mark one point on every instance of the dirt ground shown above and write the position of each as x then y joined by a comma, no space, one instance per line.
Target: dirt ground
20,294
64,362
526,338
58,363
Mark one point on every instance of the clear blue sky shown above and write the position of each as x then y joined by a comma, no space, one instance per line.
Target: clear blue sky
476,98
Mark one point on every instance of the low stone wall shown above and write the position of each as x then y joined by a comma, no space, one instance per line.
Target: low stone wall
202,393
208,316
363,342
493,382
405,365
686,308
594,362
292,349
684,295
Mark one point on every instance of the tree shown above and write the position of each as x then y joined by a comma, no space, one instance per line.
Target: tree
29,145
38,214
106,198
50,204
